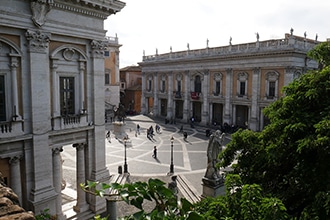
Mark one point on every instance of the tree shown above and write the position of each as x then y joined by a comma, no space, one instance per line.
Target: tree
290,158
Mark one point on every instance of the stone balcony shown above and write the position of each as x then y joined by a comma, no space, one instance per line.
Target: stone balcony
11,129
69,121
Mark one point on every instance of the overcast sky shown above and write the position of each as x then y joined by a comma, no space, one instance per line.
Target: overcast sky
147,25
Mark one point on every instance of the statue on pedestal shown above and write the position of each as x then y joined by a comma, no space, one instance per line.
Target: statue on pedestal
213,150
213,182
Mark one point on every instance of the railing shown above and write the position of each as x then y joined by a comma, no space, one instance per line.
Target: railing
5,127
11,128
177,94
69,121
260,46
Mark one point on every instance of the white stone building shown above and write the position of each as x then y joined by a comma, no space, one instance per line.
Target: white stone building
52,95
229,84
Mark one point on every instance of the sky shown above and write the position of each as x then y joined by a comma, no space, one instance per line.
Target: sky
144,26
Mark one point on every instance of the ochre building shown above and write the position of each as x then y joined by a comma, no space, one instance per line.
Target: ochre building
230,84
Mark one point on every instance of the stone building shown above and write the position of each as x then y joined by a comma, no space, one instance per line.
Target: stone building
112,79
52,95
130,89
229,84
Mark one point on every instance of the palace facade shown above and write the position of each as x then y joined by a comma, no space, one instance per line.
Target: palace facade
52,77
229,84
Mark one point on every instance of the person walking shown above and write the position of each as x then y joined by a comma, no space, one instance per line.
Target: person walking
138,129
155,152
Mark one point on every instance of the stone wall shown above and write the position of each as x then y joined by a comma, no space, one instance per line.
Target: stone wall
9,205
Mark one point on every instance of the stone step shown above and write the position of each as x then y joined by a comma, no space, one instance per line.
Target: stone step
187,190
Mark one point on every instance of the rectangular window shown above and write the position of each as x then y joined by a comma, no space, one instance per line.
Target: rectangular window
106,53
217,88
67,95
271,89
107,79
242,88
149,85
2,99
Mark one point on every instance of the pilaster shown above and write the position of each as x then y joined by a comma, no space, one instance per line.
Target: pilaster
253,120
156,101
228,106
143,98
170,97
42,193
205,90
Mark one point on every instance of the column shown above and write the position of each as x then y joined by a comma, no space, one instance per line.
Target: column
15,176
57,180
228,117
186,96
253,120
170,97
205,90
82,86
81,205
15,106
55,92
143,98
156,101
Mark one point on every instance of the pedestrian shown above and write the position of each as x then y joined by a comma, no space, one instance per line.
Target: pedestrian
138,129
155,152
108,137
185,135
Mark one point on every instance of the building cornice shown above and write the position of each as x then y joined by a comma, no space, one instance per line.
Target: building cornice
95,8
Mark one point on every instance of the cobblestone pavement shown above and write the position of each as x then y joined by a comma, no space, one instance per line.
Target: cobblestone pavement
189,157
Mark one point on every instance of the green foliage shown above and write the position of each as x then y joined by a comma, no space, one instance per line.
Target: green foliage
290,158
242,202
45,215
165,202
321,53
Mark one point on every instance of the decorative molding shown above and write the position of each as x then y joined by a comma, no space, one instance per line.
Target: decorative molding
38,41
40,8
68,54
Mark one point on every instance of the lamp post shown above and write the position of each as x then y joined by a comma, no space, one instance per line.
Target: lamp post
125,159
171,165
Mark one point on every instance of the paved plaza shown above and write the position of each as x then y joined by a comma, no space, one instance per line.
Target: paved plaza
189,157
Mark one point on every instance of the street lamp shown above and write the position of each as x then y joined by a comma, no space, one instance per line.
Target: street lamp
125,159
171,165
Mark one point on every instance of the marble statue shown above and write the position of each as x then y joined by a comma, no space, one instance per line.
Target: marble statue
213,150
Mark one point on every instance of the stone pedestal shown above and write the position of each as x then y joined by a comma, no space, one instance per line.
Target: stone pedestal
119,129
213,187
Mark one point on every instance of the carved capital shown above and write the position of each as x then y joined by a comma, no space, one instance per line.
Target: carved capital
79,146
98,48
38,41
57,150
15,160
